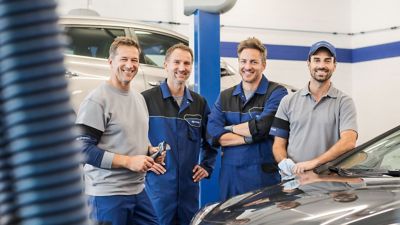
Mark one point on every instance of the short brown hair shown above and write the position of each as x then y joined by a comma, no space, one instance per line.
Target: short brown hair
178,46
253,43
120,41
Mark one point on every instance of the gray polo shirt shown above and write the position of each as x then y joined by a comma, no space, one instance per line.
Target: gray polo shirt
124,120
310,127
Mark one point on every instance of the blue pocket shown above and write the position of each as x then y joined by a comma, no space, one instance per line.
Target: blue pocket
194,121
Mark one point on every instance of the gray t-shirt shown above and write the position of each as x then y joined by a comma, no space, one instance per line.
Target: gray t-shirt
315,127
123,118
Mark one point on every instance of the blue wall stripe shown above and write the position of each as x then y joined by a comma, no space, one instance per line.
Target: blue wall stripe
375,52
300,53
286,52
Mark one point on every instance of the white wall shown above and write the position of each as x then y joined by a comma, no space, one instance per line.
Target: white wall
281,22
376,83
372,84
376,93
127,9
373,14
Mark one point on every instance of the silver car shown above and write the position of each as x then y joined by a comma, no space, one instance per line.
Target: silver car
90,38
89,42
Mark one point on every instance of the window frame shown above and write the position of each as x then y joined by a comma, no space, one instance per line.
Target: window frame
77,26
133,31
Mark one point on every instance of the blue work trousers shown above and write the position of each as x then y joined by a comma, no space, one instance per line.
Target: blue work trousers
122,210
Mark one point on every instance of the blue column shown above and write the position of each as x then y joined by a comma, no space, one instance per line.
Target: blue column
207,81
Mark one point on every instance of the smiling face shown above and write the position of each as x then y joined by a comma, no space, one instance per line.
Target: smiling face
124,66
251,65
322,65
178,66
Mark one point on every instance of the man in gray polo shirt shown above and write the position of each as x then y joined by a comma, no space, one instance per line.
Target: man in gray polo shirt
316,124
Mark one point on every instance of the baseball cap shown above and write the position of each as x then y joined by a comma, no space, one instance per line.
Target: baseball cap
322,44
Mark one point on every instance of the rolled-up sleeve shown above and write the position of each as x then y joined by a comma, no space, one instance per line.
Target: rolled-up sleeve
348,115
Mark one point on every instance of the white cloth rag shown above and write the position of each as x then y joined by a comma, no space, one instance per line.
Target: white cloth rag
286,169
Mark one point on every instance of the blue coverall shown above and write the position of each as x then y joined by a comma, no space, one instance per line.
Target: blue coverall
249,166
175,196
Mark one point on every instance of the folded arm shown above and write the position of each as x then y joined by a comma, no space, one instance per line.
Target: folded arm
258,128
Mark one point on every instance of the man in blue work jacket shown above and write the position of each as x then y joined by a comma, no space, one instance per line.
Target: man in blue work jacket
240,122
179,117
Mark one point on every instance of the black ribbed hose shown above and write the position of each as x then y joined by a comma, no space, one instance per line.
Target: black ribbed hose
40,177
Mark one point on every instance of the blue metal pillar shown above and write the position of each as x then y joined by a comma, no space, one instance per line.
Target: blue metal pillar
207,81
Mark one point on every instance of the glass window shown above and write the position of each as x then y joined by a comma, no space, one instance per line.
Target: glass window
155,45
384,154
91,41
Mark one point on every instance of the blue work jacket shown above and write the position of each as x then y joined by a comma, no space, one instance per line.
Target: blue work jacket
232,108
184,129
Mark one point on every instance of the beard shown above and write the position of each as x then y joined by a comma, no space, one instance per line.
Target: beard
321,78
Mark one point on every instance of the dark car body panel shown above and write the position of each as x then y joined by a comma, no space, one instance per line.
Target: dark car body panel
316,206
324,197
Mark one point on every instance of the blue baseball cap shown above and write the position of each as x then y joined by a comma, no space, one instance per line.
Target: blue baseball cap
322,44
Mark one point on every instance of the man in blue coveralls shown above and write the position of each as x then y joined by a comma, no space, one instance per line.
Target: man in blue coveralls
240,121
179,117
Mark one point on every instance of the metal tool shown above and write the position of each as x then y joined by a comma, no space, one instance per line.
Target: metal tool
162,147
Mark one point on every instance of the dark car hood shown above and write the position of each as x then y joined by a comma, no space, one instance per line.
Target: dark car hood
316,203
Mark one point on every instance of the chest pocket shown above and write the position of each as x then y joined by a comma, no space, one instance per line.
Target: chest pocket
255,112
194,122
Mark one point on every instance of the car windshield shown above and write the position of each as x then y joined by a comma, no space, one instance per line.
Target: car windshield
384,154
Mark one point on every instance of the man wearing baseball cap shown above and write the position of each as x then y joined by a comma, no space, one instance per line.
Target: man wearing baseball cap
316,124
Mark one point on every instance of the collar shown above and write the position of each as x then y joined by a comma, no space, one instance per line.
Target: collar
332,91
261,89
167,94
